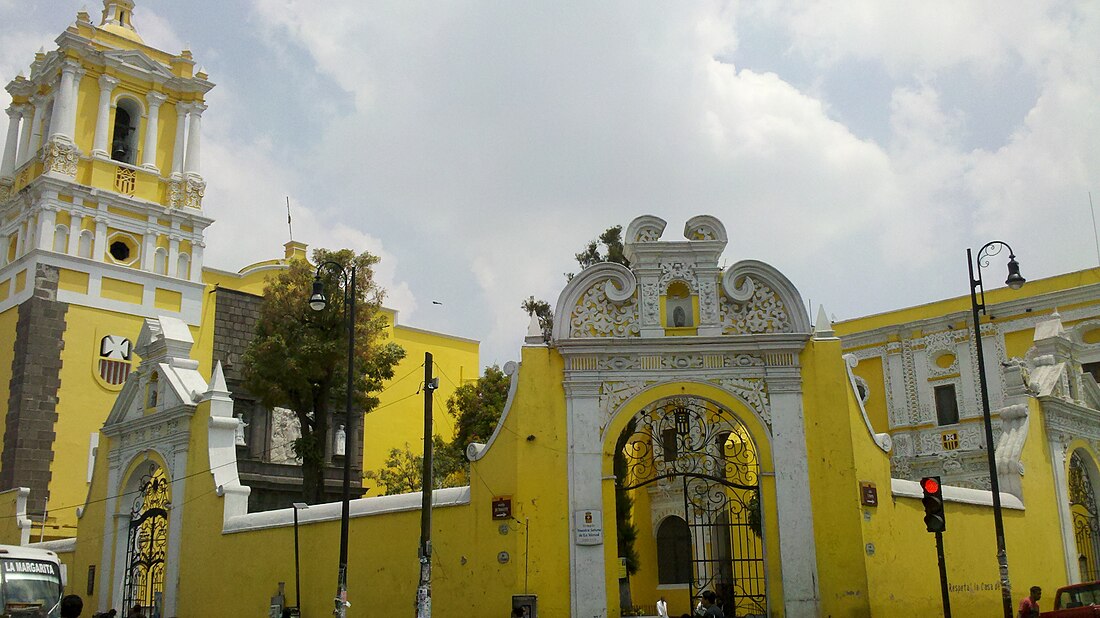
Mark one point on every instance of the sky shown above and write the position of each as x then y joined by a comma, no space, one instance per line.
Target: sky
858,146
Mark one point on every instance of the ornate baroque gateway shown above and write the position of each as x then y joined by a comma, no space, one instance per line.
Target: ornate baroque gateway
675,318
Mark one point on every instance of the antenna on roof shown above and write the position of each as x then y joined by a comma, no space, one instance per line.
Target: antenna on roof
1094,236
288,224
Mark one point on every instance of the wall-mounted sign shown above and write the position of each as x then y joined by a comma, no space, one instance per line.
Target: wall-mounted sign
502,507
589,527
868,494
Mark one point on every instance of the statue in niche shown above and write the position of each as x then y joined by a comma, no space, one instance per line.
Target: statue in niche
240,430
679,318
338,442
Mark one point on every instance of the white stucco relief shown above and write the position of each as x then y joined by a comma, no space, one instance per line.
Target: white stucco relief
615,349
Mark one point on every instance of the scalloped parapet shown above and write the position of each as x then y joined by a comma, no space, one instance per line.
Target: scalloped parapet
676,288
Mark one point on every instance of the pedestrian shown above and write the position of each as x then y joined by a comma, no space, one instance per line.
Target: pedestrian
135,612
710,605
1029,607
662,608
71,606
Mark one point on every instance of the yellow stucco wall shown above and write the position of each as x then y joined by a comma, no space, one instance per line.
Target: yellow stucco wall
399,417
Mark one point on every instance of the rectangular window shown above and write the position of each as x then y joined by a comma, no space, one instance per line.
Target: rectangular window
1093,368
947,405
668,444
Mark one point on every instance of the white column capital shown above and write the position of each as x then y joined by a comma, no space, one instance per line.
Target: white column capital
13,111
198,108
107,83
70,65
155,99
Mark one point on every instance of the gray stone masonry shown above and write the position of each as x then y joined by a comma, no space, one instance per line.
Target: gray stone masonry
33,391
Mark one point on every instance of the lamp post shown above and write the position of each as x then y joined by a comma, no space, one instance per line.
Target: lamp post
317,302
298,506
1014,281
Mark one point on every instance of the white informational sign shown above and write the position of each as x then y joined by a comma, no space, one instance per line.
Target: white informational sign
589,527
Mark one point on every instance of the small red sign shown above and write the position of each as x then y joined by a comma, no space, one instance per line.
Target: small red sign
502,507
868,494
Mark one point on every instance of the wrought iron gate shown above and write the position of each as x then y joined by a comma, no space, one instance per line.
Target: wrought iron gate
703,451
147,544
1086,523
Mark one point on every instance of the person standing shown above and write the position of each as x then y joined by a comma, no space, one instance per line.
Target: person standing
71,606
710,605
1029,607
662,608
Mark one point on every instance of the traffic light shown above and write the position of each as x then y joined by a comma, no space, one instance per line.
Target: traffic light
933,504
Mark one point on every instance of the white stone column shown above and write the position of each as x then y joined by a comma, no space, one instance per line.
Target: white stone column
588,589
32,133
76,224
11,144
63,122
797,549
194,140
70,119
196,260
152,127
1058,445
103,116
182,109
149,242
173,254
26,112
99,247
47,219
20,236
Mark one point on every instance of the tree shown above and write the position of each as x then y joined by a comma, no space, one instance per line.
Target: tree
476,407
542,309
612,241
298,357
403,471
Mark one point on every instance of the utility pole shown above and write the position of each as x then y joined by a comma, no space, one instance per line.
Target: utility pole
424,590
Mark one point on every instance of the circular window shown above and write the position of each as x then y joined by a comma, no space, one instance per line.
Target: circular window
120,251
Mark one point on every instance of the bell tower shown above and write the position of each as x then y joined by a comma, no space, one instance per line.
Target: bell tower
101,227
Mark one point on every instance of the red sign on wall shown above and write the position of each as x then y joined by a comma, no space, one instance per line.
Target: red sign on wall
502,507
868,494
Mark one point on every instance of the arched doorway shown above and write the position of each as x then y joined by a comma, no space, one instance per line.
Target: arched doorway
147,541
1083,508
696,462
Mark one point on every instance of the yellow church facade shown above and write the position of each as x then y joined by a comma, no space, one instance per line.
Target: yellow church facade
754,452
102,226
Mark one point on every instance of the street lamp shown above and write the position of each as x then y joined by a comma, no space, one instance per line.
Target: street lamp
1014,281
298,506
317,302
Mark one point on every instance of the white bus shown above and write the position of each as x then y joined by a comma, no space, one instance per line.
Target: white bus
31,582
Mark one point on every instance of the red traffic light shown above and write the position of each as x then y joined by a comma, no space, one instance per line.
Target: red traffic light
930,485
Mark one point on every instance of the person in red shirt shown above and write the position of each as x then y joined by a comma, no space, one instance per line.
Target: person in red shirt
1029,607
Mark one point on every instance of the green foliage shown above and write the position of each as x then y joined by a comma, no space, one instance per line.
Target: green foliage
297,358
626,531
476,407
542,309
612,241
403,471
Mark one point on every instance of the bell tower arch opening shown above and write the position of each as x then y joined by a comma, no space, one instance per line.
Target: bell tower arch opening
124,134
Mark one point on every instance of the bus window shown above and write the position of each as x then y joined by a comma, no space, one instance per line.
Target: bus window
30,588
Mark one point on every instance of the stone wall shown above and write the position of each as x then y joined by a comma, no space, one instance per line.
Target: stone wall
33,391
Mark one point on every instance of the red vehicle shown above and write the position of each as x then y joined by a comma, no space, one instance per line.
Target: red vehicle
1077,600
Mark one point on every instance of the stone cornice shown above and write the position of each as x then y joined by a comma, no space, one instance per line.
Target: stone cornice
1032,310
1067,418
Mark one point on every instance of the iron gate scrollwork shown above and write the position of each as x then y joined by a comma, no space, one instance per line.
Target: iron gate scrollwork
1086,523
702,451
147,544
